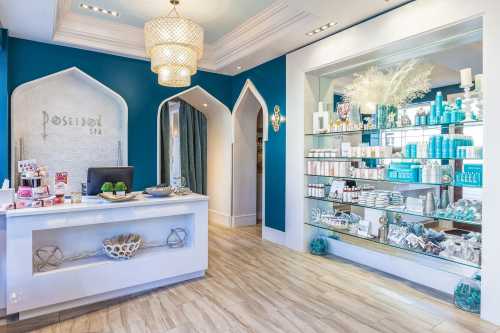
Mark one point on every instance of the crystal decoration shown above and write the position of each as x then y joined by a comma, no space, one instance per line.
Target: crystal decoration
175,45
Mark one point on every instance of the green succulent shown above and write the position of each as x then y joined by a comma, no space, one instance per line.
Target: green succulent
107,187
120,186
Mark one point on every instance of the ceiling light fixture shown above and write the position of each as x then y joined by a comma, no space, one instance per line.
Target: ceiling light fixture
174,44
321,29
99,10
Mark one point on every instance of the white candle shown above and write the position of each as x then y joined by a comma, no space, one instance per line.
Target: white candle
320,107
466,77
478,82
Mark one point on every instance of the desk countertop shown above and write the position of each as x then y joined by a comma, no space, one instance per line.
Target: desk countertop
93,203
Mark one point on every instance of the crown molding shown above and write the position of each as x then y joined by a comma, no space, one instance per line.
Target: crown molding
258,30
97,34
91,33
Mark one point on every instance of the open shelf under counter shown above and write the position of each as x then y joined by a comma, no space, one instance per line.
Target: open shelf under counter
80,229
101,259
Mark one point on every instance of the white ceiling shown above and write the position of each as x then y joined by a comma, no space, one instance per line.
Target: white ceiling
240,34
217,17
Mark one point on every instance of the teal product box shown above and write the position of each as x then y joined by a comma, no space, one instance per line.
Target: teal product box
472,176
404,172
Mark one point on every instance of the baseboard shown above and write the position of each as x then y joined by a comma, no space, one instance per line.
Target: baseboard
220,218
273,235
107,296
244,220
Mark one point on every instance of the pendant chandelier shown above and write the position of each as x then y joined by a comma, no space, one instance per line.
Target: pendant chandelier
174,44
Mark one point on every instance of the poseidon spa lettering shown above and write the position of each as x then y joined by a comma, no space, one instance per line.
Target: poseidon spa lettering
92,124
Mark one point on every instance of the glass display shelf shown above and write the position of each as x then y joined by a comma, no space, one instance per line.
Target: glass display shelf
391,181
403,128
375,240
397,210
389,158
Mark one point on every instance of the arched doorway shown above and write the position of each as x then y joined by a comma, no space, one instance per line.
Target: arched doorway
247,181
218,150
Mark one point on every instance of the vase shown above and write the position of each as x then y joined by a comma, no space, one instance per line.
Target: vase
318,246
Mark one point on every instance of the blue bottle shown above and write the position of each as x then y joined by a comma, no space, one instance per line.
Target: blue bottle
446,147
432,147
439,146
439,104
432,114
408,151
452,150
414,150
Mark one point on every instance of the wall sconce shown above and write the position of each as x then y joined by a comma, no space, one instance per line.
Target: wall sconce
277,119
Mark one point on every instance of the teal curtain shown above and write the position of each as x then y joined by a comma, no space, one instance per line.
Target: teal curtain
193,128
165,144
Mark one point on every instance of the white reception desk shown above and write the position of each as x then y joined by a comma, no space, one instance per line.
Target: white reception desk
81,228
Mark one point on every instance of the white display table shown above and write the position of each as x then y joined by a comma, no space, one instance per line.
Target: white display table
80,228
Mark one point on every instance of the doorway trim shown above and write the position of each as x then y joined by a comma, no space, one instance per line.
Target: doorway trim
221,213
249,87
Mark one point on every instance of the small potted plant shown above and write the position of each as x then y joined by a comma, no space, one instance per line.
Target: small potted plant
120,188
107,188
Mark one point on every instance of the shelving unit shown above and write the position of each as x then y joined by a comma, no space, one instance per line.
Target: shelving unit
402,128
391,182
435,220
399,211
375,240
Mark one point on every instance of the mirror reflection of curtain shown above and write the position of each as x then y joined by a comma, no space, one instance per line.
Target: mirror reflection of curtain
193,146
175,144
193,126
165,145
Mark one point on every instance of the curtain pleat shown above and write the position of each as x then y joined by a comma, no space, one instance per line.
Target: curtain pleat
193,126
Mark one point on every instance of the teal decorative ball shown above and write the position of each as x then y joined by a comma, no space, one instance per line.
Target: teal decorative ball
319,246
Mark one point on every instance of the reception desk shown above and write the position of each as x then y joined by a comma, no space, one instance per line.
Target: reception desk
78,230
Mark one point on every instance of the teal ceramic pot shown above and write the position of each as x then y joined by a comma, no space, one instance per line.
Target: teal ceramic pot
319,246
467,294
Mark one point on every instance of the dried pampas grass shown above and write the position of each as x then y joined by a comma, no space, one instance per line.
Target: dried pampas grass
396,86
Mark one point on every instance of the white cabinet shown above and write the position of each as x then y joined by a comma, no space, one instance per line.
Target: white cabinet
80,228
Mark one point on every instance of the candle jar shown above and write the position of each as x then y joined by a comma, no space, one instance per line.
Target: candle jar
76,197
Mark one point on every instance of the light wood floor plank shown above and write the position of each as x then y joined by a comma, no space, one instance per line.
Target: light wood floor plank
256,286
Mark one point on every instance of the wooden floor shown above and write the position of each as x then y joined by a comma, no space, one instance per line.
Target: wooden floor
256,286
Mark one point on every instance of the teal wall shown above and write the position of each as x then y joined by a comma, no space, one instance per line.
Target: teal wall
4,106
270,81
130,78
134,81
